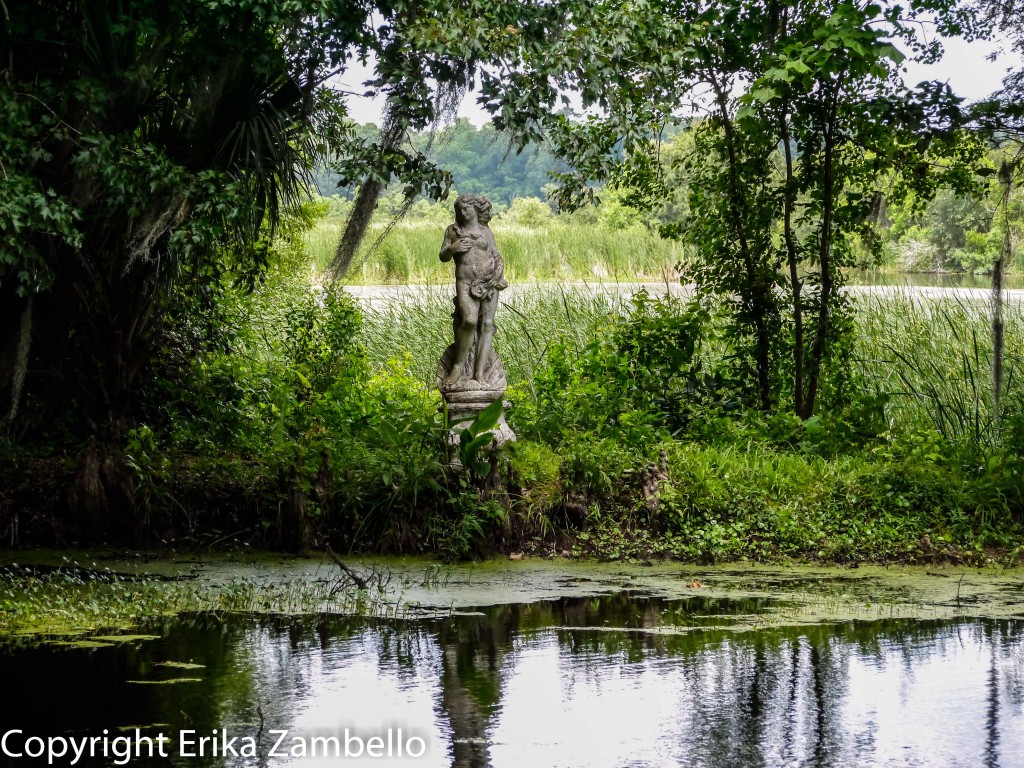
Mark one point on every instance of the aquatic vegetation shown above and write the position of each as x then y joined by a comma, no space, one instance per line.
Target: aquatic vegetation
96,607
932,359
611,643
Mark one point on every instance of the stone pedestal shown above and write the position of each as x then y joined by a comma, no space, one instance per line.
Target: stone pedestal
466,398
462,414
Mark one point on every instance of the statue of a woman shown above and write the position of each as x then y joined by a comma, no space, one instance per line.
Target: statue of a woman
479,276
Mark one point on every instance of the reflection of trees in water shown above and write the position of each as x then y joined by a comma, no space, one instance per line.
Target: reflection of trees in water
1005,680
84,691
760,698
472,655
780,696
1011,662
992,713
755,698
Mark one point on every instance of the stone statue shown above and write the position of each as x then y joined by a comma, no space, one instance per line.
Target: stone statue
478,278
470,374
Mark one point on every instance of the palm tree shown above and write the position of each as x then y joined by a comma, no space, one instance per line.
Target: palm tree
178,137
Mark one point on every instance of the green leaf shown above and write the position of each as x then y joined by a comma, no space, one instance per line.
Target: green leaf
487,419
387,430
474,445
764,94
893,53
778,74
745,111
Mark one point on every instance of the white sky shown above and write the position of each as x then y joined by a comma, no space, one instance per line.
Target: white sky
964,67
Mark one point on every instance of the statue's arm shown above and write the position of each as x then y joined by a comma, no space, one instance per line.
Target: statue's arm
448,247
494,245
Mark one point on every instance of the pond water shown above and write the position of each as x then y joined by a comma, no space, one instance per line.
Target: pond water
620,679
931,279
858,283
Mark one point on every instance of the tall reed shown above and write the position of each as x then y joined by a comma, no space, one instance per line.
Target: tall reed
933,357
529,320
558,250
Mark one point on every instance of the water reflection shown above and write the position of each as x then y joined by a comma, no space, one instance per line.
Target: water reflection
623,680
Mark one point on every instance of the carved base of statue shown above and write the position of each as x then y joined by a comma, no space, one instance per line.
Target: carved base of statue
492,379
466,397
461,415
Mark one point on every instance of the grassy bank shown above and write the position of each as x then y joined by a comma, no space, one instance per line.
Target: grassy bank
322,424
613,242
931,359
928,360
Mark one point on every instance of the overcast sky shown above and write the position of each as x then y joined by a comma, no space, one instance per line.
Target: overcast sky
965,67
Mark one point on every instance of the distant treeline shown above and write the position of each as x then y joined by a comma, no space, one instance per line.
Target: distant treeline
950,233
480,160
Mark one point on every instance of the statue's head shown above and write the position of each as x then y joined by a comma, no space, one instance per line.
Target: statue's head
479,202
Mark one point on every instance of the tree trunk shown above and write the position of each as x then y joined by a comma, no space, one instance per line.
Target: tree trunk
366,200
295,531
758,292
1006,177
821,331
101,498
793,259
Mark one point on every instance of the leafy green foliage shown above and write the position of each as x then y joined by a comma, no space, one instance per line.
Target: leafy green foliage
806,114
162,142
629,380
953,232
150,150
155,157
474,439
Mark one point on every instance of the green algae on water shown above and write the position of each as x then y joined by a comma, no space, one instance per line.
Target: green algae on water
80,644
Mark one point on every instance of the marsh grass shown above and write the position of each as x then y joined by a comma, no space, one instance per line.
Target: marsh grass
933,358
553,251
98,607
417,328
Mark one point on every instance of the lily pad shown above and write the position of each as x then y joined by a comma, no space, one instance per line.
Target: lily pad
82,644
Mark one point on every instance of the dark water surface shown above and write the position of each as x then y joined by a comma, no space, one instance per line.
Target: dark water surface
618,680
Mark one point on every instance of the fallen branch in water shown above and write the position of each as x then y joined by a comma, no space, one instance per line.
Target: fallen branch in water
359,580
